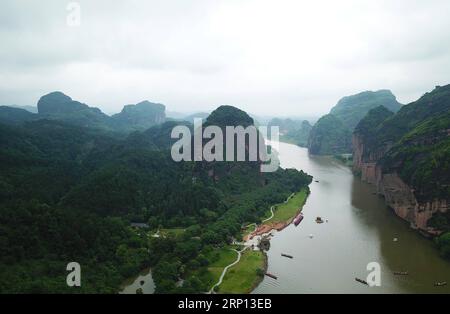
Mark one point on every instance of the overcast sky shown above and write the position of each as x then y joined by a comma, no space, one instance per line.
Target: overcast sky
275,57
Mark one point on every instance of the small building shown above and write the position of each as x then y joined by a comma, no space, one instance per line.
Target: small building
139,225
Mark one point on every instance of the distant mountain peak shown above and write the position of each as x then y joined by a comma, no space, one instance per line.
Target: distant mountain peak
55,96
144,106
351,109
226,115
58,103
141,116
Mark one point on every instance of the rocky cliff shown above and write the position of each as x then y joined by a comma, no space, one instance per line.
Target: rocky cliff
407,156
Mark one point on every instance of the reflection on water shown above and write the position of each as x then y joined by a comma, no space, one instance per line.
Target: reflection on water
360,229
144,281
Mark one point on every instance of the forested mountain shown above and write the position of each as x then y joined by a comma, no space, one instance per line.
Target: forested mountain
57,106
329,136
407,155
300,136
11,115
32,109
69,193
349,111
140,116
293,131
60,107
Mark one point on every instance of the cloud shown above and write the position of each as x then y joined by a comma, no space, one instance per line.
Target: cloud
270,57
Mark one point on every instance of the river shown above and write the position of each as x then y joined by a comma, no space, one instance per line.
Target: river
360,229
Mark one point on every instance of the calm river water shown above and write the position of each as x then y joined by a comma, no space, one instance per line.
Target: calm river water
360,230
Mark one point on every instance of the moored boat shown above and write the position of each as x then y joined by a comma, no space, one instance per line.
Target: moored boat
298,219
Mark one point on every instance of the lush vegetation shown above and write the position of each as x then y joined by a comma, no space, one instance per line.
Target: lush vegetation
332,134
351,109
69,193
285,211
60,107
372,120
140,116
11,115
415,144
329,136
443,243
218,259
242,277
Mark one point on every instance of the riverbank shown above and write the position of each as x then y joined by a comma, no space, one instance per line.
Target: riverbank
360,229
245,274
240,267
282,214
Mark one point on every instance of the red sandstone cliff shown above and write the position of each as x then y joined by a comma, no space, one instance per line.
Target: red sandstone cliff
398,195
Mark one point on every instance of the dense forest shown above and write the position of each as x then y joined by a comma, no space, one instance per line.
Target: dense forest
332,134
70,188
329,136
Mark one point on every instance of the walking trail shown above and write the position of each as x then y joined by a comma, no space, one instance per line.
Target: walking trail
247,245
227,267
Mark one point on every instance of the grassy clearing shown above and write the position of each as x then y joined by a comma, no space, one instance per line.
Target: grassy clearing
172,231
285,211
243,277
221,257
218,260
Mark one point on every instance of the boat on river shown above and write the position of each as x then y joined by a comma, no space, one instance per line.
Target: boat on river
362,281
271,276
440,284
298,219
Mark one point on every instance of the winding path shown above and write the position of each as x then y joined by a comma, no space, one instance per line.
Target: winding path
271,216
246,246
272,207
226,268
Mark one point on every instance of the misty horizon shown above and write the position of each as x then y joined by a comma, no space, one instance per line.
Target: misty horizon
289,59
